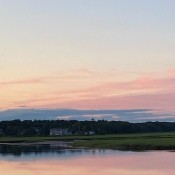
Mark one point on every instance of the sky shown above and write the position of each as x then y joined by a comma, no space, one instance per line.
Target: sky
87,54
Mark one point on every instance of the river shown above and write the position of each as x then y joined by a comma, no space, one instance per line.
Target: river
47,160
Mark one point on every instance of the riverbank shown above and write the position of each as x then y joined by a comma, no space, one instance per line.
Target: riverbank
148,141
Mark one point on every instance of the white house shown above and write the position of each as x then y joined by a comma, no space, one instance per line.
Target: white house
90,133
59,131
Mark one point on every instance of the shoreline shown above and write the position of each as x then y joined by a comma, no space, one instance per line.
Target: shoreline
73,145
135,142
59,144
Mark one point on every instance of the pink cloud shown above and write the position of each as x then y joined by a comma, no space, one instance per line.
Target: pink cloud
172,72
139,86
142,92
151,101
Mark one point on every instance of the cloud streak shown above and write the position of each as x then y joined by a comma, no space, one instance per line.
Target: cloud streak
133,115
23,81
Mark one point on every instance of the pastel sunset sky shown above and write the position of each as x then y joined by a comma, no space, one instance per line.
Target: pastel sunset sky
87,54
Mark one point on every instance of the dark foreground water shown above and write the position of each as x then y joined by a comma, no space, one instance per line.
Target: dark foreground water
49,160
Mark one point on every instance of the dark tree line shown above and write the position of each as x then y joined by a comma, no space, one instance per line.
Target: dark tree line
42,127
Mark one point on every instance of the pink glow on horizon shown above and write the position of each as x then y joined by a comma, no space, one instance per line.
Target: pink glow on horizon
156,102
86,89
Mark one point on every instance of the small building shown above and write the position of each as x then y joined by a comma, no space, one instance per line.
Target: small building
90,133
59,131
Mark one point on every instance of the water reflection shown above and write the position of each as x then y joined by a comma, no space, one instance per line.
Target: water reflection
30,152
43,160
18,150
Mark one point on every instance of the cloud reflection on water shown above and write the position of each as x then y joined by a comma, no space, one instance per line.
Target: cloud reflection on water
106,163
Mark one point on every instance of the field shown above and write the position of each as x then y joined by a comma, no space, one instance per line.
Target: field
156,141
148,141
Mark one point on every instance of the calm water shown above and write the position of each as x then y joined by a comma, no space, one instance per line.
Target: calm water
44,160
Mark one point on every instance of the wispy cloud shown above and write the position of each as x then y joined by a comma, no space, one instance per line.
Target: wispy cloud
74,75
23,81
145,91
